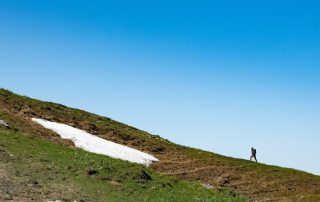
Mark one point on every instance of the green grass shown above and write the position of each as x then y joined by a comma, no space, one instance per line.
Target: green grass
63,172
121,182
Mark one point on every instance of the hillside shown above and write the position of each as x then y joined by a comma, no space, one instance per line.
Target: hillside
35,169
223,175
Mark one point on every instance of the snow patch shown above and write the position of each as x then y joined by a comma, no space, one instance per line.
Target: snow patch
94,144
2,122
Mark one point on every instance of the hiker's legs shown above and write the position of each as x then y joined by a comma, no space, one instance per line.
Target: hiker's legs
254,157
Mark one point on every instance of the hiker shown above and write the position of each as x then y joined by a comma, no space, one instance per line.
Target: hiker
253,154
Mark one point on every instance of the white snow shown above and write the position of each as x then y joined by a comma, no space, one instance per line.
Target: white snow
2,122
96,144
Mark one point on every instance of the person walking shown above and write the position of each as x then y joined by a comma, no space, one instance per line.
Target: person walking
253,154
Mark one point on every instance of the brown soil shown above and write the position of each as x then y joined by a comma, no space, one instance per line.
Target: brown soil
257,181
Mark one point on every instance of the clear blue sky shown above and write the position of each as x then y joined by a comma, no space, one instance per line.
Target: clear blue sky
218,75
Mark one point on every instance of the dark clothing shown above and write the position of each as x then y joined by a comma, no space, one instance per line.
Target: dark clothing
253,154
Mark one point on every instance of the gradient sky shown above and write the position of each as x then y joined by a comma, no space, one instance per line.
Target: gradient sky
218,75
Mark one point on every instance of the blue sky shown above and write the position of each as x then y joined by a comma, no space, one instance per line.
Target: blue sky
218,75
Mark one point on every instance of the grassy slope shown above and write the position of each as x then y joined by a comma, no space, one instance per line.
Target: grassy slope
46,171
256,181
